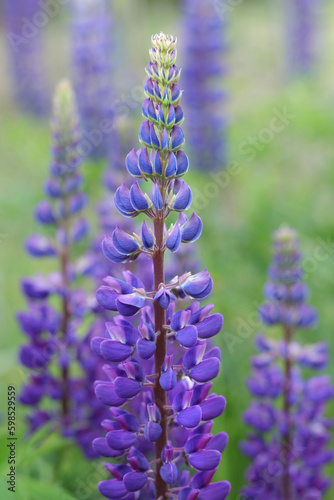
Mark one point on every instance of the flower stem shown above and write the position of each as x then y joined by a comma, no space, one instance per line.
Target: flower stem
160,396
64,266
286,446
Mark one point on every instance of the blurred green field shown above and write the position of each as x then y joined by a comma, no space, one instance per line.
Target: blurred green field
274,176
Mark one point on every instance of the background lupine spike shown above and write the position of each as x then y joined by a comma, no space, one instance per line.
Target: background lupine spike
204,53
92,58
287,416
26,56
302,25
166,365
54,346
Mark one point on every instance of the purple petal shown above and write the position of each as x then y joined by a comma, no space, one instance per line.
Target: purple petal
213,407
127,422
148,88
174,239
177,138
111,252
216,491
146,237
113,488
197,443
218,442
131,163
168,472
200,392
145,133
178,115
157,163
112,350
168,380
182,163
40,246
155,143
127,388
187,337
170,116
184,198
118,471
137,198
129,304
202,479
123,242
121,440
96,345
171,165
156,197
106,297
210,326
190,417
123,202
134,481
138,461
192,229
206,370
145,348
44,213
194,356
144,163
152,431
175,93
107,395
205,459
101,447
188,494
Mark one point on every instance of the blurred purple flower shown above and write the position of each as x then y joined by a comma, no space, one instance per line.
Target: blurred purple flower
62,364
204,72
25,50
288,443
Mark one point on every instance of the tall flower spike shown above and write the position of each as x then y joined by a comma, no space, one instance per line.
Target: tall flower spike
302,24
54,346
288,443
165,363
203,82
26,56
91,29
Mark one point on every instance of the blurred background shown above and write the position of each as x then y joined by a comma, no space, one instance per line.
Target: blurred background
275,121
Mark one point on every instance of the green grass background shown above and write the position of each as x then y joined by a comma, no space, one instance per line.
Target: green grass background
289,179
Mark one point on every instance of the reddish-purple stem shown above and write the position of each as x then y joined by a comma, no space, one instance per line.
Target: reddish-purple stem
160,397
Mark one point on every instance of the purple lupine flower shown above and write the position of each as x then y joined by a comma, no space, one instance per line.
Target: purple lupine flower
203,83
91,29
302,26
54,346
290,432
158,389
25,51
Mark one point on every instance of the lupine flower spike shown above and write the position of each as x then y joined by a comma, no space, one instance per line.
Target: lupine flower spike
204,29
159,363
290,433
54,346
302,23
91,28
25,49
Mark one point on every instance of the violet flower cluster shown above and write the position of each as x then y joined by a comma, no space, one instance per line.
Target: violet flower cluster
91,28
290,432
54,346
25,51
156,356
203,83
302,26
